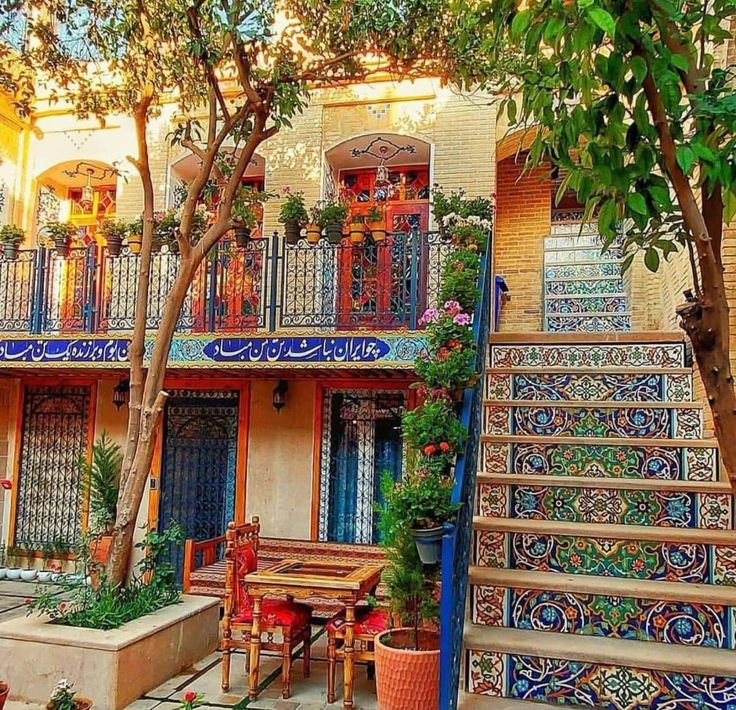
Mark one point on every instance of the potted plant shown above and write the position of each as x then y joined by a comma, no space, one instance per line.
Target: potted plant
63,698
312,229
165,230
47,553
332,216
293,215
114,232
4,690
27,572
376,223
407,656
100,479
356,230
135,235
61,234
11,238
12,571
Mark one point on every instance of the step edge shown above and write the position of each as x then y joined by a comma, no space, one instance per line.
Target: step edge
702,443
581,403
655,337
649,484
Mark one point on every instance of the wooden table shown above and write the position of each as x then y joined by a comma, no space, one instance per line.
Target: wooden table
301,580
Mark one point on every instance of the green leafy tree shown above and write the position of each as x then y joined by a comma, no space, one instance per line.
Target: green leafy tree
237,72
635,101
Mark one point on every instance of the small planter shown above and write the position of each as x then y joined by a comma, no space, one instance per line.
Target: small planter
12,574
407,679
4,690
292,231
242,237
314,233
134,243
377,230
10,249
81,703
45,576
429,544
114,244
334,232
357,232
62,244
28,575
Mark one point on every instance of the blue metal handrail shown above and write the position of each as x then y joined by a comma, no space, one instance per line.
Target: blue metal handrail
456,542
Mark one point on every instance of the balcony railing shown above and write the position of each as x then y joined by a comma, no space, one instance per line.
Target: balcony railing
268,286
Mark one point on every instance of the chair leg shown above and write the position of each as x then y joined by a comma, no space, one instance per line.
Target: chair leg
286,665
307,651
225,667
331,663
246,640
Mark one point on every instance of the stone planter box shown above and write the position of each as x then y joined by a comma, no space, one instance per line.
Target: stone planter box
113,668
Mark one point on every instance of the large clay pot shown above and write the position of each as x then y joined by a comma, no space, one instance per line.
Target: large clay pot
4,690
407,679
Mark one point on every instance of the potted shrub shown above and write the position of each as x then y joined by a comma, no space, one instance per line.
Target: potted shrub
356,230
12,571
246,211
63,698
165,231
27,572
47,553
60,233
293,215
332,216
376,223
114,232
11,238
407,656
100,484
135,235
4,690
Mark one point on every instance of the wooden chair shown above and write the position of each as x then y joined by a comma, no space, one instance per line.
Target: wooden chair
368,624
280,618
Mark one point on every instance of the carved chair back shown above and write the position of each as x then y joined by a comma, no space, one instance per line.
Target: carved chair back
241,558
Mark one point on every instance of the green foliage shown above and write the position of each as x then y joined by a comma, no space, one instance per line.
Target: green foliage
293,209
114,228
374,214
62,697
102,605
331,212
433,430
422,500
100,482
59,230
10,234
459,280
247,207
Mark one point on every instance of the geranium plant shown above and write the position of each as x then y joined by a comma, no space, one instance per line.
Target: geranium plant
293,209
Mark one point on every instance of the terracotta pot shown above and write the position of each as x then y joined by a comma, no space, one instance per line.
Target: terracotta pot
292,231
242,237
407,679
100,549
134,242
82,703
314,233
357,232
4,690
334,232
62,244
114,244
429,544
378,230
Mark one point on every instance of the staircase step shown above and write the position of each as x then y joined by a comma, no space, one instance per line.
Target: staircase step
615,674
580,254
668,460
617,386
648,420
588,323
632,551
573,239
593,269
587,305
586,350
594,606
607,506
599,286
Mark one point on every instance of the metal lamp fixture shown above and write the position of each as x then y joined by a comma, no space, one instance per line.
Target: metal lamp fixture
121,393
88,191
279,395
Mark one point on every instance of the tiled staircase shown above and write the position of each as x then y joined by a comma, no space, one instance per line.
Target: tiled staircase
604,543
583,288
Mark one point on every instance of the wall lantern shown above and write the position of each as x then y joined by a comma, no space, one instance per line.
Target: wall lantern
279,395
120,393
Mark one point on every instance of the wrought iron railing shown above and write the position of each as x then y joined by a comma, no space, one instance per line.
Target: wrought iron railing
457,540
267,285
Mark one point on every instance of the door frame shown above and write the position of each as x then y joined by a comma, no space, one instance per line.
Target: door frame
241,451
343,383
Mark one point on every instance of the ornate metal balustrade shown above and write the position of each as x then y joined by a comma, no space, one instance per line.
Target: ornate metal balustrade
267,285
457,540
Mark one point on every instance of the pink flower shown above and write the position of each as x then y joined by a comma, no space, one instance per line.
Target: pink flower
452,307
461,319
286,189
431,315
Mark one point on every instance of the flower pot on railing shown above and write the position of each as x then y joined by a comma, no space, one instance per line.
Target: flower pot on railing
429,544
292,232
333,230
134,243
10,250
313,233
114,244
62,245
60,233
377,230
242,236
356,232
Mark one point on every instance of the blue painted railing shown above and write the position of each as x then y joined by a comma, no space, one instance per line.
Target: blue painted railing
266,285
457,540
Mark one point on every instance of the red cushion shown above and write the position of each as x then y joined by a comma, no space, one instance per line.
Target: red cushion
275,612
368,623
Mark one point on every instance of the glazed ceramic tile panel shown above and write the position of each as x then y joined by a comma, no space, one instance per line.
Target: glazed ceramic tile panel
659,462
563,681
588,323
608,506
642,422
674,622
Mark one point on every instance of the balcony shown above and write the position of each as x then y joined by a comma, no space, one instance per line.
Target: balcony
265,287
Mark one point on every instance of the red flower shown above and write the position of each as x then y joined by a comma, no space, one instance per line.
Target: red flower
190,697
444,446
430,449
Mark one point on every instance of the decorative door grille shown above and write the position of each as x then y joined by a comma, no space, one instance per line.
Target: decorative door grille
198,464
54,437
361,439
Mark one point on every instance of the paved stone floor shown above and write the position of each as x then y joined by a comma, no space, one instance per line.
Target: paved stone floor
204,677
